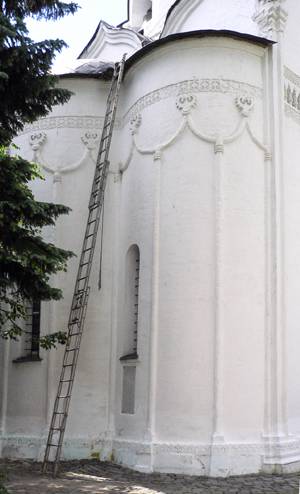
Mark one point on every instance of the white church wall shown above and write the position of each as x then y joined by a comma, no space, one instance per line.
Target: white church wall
67,152
291,183
185,340
292,271
282,25
135,223
243,289
208,281
204,185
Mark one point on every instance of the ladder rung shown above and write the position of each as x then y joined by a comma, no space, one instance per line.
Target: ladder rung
100,164
63,397
72,349
82,278
73,322
86,250
84,263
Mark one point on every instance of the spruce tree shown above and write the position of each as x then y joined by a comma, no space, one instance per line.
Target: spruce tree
27,92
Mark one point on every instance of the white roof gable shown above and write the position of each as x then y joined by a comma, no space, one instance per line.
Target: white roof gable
109,43
193,15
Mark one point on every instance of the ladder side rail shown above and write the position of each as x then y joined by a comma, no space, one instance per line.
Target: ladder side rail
81,290
103,177
98,161
64,418
67,405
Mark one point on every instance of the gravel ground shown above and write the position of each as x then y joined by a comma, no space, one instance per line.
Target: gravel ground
94,477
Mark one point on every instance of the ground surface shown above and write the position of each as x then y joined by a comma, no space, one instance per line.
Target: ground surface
93,477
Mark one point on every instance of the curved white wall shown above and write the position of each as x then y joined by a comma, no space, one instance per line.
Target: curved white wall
66,143
193,199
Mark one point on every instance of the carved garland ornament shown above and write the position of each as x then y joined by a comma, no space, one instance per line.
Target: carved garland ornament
38,139
185,103
90,140
245,104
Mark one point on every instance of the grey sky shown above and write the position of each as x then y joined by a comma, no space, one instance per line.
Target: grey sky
78,29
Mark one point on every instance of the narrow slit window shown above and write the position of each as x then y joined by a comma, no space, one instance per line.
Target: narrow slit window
31,335
136,302
33,345
131,304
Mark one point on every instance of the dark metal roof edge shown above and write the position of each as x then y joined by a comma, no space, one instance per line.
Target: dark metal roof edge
78,75
126,20
91,40
203,33
173,6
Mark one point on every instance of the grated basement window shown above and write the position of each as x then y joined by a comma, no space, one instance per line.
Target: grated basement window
31,335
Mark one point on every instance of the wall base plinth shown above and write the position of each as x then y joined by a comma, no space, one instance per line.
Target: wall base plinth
282,454
216,459
15,446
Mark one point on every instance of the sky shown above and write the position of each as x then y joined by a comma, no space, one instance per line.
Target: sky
78,29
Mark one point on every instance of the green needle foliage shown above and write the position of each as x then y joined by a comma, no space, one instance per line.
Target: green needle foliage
2,479
27,91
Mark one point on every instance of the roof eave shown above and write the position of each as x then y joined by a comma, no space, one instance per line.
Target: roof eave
203,33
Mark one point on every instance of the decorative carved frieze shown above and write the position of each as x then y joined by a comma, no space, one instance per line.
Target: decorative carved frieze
292,77
270,16
173,90
191,86
292,94
69,122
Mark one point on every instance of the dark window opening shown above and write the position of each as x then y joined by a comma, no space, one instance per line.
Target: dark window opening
131,303
31,335
136,302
